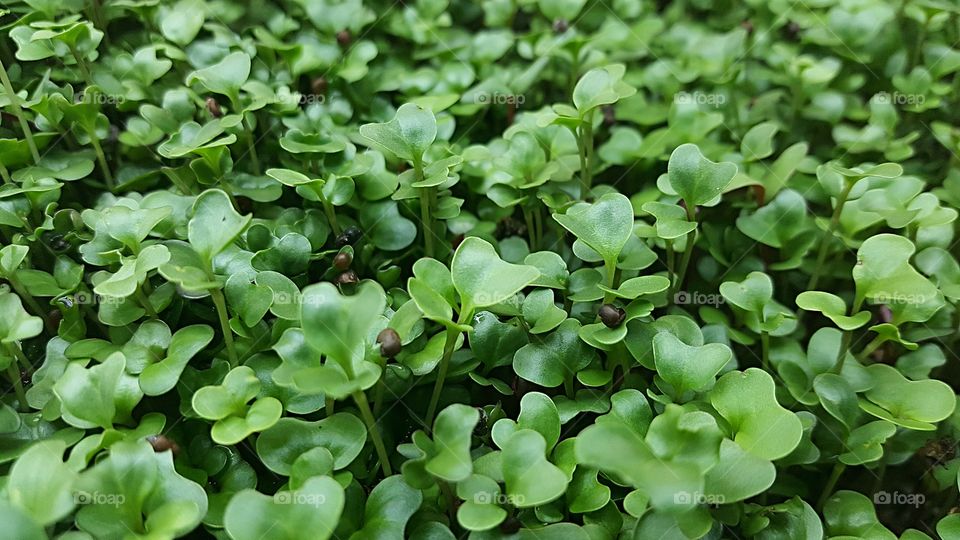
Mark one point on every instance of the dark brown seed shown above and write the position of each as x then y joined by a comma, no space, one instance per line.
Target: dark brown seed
793,30
343,38
55,317
456,241
747,25
609,117
347,278
389,341
162,443
213,107
611,315
319,86
342,261
244,205
560,26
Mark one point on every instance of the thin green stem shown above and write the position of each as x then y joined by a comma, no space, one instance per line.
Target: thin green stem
685,259
831,484
5,175
448,347
425,218
765,351
252,150
361,399
845,340
329,406
671,256
585,147
874,344
568,387
828,235
82,64
18,111
14,375
531,228
16,352
221,304
538,223
102,160
145,302
329,210
589,149
613,279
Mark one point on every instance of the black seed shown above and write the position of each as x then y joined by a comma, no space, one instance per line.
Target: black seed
612,316
389,341
343,37
560,26
349,236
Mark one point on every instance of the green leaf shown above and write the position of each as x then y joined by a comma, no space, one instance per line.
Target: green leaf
759,424
313,510
452,432
389,508
161,377
214,225
482,278
407,136
604,225
757,142
558,357
339,326
531,480
226,76
739,475
344,435
865,444
601,86
696,179
833,307
89,395
687,368
227,404
40,483
181,22
751,294
16,324
883,274
911,404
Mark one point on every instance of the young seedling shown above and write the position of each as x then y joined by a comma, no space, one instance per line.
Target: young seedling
477,278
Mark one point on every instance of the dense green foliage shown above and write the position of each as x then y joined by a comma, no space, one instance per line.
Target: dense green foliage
522,269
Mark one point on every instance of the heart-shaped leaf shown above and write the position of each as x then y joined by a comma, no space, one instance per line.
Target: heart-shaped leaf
482,278
315,507
687,368
604,225
760,425
407,136
696,179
